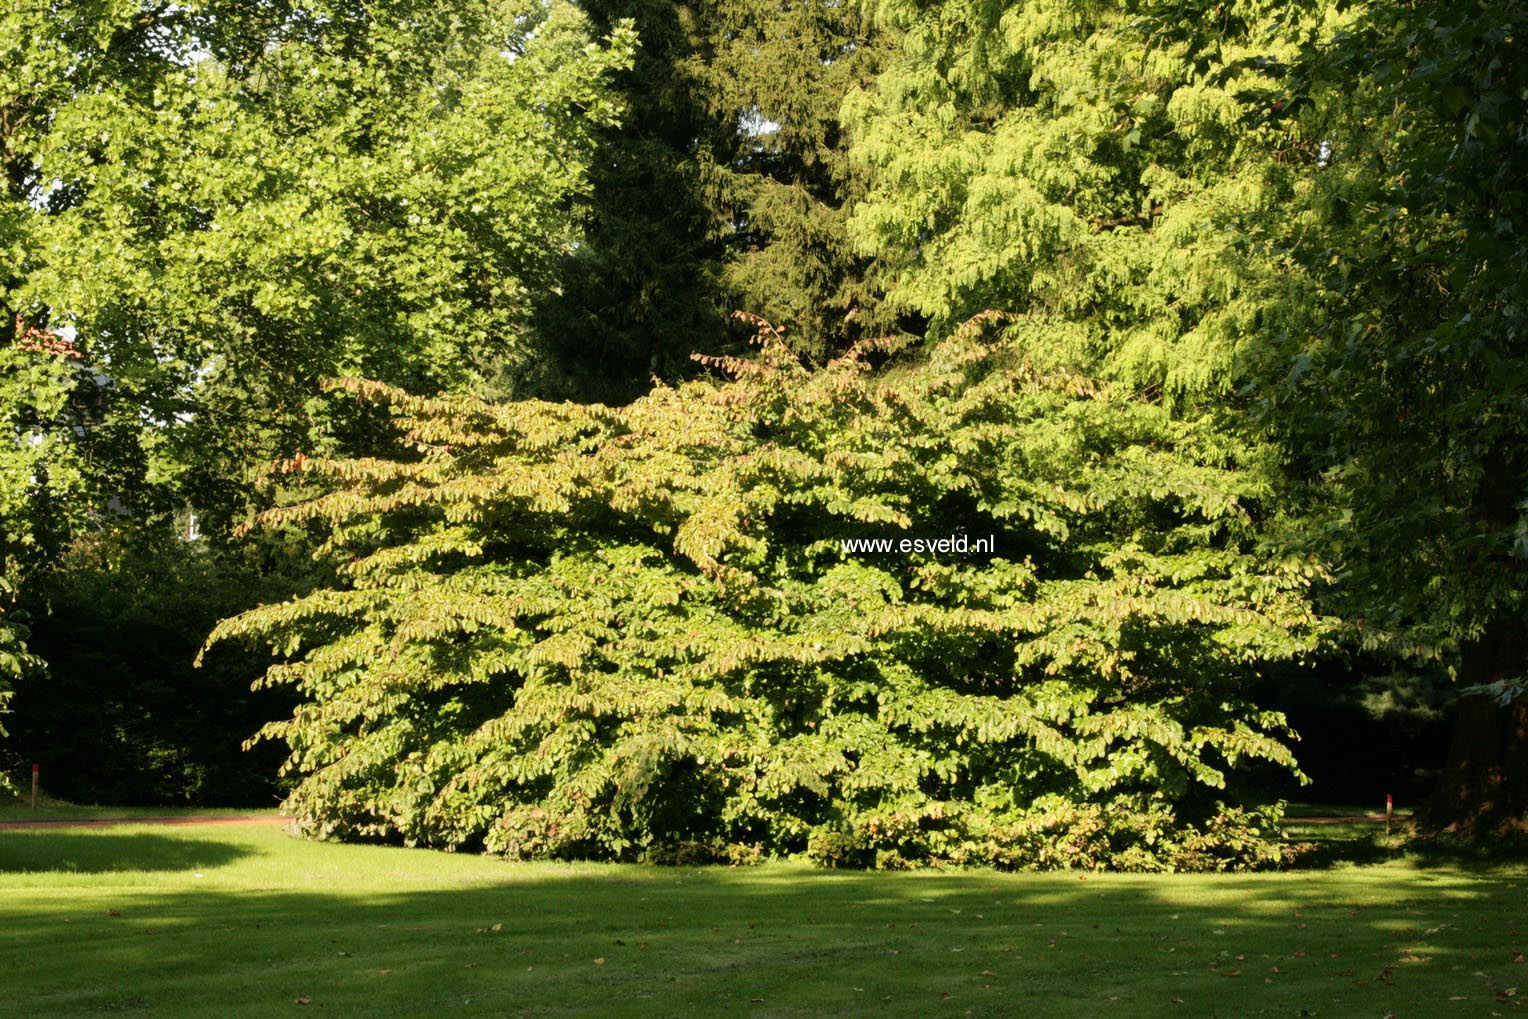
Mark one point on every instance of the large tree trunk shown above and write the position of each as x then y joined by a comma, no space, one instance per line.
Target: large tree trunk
1484,786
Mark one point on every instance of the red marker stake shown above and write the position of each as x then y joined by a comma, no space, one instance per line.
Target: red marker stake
35,769
1389,809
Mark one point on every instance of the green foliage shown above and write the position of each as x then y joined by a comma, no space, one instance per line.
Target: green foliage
779,72
572,630
41,482
16,662
1308,212
726,186
1313,206
1404,386
1094,166
43,490
227,201
121,716
641,292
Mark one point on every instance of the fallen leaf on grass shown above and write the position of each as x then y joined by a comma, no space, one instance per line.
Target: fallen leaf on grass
600,961
300,1001
113,912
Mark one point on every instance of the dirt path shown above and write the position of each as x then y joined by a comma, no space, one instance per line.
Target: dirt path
107,822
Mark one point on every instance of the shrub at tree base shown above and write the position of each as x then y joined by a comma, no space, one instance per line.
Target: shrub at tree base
577,631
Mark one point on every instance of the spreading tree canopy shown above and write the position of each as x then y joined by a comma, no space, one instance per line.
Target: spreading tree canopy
224,201
573,630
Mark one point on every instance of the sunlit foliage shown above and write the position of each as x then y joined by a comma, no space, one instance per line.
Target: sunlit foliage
573,630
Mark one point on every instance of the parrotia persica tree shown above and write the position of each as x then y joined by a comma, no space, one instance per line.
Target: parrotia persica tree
226,201
578,631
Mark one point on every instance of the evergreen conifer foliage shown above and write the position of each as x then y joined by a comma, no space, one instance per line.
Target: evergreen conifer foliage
779,73
579,631
1098,166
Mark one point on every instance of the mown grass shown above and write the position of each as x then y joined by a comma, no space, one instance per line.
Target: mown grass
244,920
76,812
17,806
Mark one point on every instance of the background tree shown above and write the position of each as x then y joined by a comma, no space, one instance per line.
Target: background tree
1094,168
227,201
780,72
1404,389
1298,213
16,662
641,291
725,187
41,486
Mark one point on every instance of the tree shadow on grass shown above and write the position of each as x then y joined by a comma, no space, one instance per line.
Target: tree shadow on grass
1320,847
92,853
614,942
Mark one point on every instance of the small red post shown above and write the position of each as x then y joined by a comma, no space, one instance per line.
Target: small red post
35,769
1389,809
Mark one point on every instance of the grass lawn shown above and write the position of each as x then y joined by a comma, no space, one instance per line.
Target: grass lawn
244,920
14,807
74,812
